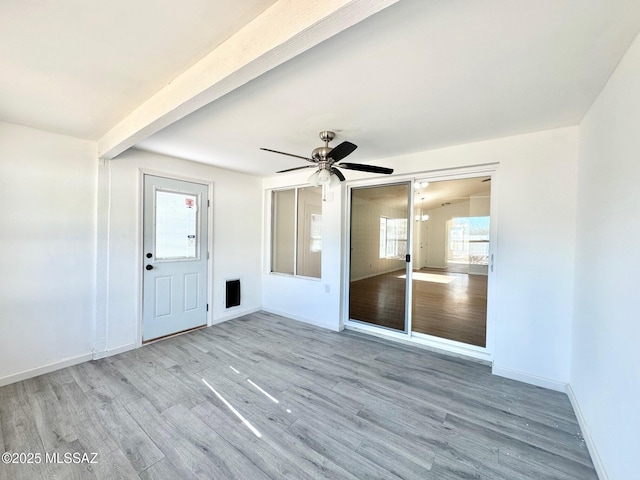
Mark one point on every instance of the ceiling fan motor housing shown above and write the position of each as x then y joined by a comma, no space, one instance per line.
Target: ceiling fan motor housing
320,154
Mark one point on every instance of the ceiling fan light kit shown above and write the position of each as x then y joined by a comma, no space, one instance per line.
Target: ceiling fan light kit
313,180
327,160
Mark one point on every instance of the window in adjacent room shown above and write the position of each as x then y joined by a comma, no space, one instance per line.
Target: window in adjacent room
296,231
393,237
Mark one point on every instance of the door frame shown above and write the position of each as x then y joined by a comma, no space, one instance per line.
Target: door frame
140,242
416,338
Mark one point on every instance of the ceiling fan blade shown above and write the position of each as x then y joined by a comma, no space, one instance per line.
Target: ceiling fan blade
296,168
366,168
288,154
341,151
338,173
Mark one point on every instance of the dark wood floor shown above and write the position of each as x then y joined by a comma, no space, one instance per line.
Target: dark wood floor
349,406
456,310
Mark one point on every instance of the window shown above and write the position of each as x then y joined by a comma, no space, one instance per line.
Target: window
296,231
468,240
176,232
393,237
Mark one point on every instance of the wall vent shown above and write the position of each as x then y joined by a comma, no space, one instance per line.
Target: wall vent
232,293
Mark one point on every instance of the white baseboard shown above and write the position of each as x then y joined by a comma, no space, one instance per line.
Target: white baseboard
114,351
528,378
333,327
235,313
52,367
586,434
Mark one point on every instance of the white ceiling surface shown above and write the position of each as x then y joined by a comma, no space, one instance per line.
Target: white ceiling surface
79,66
417,76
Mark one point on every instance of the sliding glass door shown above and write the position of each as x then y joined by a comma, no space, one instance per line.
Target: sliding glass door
451,259
380,233
419,258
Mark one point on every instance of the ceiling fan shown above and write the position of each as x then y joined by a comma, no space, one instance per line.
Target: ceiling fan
327,160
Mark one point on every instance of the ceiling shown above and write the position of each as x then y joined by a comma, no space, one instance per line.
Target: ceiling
79,66
420,74
417,76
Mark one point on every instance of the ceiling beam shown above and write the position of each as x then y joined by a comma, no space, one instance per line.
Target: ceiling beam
286,29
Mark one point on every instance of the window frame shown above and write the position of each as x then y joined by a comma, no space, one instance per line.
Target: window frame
296,232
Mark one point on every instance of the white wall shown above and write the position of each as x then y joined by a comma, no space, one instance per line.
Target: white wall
534,192
237,241
47,239
605,378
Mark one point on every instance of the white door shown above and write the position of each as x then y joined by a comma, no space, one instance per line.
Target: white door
175,256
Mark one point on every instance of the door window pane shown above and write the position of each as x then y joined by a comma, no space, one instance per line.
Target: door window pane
176,234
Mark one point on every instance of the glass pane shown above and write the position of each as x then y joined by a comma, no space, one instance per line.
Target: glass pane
468,241
451,257
309,231
176,233
283,231
379,234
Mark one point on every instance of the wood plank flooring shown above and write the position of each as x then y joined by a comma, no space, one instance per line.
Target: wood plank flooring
456,310
349,406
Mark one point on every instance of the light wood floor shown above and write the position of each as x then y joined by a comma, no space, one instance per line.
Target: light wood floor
456,310
350,407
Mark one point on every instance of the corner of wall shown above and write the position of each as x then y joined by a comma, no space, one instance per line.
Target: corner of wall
586,434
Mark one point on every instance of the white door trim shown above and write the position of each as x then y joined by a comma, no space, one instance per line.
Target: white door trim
140,241
440,344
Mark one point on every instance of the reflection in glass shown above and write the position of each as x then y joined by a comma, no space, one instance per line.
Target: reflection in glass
176,233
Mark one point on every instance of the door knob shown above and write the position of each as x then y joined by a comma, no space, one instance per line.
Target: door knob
149,267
